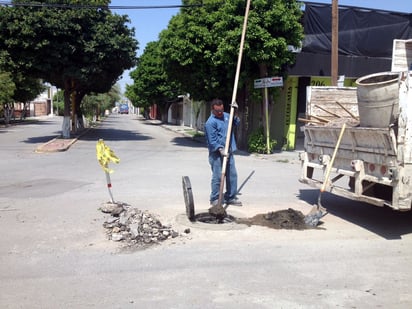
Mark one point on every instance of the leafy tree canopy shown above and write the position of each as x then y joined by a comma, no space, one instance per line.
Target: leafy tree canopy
96,103
70,44
201,44
27,88
7,87
89,46
151,81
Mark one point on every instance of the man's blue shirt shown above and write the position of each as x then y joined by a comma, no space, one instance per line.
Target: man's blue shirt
216,130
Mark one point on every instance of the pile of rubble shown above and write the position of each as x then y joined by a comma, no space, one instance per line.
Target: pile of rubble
134,226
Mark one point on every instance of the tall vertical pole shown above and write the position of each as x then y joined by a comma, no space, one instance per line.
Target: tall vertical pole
267,121
233,104
73,107
335,43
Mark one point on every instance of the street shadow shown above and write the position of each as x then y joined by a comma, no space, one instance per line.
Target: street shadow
41,139
24,122
383,221
113,135
244,182
188,142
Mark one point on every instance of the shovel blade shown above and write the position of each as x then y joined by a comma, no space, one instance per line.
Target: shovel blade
315,214
218,211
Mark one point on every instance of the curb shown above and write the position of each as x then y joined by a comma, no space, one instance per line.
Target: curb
198,139
57,144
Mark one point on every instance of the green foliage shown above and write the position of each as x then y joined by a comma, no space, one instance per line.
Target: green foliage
188,48
78,50
58,103
58,108
96,104
151,82
27,88
7,88
200,46
257,142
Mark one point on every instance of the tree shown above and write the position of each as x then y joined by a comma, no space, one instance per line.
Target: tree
78,49
151,82
7,88
17,87
201,45
188,47
27,89
95,104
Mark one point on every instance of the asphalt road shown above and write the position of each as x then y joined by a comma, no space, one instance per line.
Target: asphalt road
54,252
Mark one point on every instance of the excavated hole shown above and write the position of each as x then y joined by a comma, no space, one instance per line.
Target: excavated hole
208,218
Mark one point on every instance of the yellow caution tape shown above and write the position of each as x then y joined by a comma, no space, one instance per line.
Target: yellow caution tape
105,155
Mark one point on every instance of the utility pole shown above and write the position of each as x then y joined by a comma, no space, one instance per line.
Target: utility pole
335,43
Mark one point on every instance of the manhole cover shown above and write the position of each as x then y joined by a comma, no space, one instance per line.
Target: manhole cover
188,196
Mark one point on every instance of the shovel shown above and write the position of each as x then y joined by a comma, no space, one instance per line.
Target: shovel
317,211
218,210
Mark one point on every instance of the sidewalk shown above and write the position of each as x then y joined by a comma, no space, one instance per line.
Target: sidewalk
279,155
59,143
56,145
188,132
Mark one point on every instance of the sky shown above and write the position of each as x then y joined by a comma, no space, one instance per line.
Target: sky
149,22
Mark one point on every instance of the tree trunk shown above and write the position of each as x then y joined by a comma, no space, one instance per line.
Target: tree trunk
196,108
8,112
67,102
23,114
79,113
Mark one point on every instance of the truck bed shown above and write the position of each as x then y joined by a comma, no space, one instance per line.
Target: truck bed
368,166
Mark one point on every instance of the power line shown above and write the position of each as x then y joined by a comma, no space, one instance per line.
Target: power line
84,6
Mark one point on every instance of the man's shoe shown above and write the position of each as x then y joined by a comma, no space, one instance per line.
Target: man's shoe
234,202
214,203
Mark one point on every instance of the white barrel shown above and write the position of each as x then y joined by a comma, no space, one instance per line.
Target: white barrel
378,99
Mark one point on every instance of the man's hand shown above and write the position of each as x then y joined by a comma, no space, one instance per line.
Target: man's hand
222,152
236,120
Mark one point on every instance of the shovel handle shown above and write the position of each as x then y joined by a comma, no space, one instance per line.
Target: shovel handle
233,104
329,168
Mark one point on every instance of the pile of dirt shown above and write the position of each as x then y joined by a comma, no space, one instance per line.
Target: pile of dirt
133,227
289,219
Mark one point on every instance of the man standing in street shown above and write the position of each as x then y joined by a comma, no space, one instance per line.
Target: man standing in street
216,129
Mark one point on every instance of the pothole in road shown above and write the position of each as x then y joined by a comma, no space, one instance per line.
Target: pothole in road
217,218
288,219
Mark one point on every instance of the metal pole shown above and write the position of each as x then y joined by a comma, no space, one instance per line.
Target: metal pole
267,121
335,43
109,185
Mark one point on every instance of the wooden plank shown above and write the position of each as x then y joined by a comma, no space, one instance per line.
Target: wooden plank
321,102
